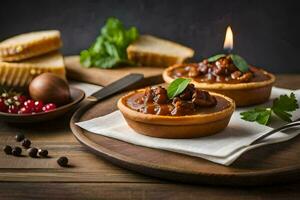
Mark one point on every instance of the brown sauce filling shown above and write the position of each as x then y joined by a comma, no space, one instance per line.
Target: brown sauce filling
220,71
191,101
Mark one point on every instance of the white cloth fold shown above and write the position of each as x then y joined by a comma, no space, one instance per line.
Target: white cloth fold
223,148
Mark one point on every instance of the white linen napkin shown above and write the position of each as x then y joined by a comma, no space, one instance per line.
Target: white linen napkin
223,148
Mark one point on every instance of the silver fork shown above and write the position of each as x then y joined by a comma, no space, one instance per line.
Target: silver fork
284,127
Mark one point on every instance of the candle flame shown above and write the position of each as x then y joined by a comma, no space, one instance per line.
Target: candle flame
228,42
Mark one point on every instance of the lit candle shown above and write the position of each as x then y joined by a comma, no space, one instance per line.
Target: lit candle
228,42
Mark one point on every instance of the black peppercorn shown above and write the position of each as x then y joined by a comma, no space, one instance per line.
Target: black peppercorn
43,152
19,137
16,151
32,152
63,161
7,149
26,143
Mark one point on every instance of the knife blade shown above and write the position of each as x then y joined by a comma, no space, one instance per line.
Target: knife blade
116,87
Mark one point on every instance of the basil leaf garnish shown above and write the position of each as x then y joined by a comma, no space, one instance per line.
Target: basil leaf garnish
215,57
177,86
240,62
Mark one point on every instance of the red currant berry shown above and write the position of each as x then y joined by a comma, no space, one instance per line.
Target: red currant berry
29,104
24,110
38,106
3,107
48,107
13,109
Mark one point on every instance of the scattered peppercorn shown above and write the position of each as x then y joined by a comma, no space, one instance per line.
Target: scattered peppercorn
32,152
26,143
7,149
19,137
63,161
43,152
16,151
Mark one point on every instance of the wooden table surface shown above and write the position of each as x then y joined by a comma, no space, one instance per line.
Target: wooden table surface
91,177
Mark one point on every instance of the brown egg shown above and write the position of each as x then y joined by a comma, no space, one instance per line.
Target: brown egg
50,88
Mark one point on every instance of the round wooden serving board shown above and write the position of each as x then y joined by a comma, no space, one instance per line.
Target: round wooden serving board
272,164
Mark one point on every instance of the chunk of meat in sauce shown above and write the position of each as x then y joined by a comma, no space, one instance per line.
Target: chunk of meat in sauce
155,95
203,98
148,108
223,70
160,95
183,108
155,101
163,109
148,95
188,92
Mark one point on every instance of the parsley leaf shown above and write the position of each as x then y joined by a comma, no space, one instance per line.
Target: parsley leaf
283,115
281,107
286,103
260,115
177,86
109,49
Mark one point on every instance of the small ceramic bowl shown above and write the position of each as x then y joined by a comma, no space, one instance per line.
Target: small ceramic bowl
77,96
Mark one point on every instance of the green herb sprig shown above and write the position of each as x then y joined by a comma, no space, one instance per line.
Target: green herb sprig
177,86
238,61
281,107
109,49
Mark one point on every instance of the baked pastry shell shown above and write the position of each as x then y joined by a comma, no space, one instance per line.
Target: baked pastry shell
187,126
244,94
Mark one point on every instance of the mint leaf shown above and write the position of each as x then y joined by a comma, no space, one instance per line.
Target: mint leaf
240,62
215,57
177,86
260,115
109,49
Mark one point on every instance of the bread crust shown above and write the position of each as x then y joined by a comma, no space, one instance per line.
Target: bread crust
151,58
16,49
20,74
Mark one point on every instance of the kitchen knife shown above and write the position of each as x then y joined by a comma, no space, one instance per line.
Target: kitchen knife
116,87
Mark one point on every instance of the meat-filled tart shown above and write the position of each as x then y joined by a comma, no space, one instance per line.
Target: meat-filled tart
229,75
180,111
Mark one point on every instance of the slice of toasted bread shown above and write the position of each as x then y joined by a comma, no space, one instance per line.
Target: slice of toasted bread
29,45
148,50
20,74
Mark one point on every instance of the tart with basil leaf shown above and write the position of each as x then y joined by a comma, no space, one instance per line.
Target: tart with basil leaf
229,75
179,111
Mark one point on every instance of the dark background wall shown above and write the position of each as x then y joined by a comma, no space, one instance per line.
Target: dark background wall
266,32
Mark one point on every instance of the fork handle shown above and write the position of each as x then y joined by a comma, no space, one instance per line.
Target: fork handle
289,125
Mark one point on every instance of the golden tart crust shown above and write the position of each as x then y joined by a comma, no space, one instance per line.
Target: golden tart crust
187,126
244,94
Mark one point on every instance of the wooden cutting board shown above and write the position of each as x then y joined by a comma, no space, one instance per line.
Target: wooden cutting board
104,77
